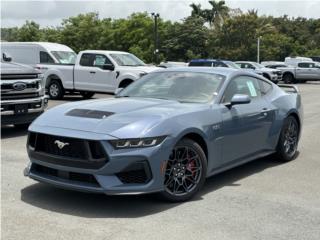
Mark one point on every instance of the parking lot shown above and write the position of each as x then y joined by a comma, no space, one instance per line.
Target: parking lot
260,200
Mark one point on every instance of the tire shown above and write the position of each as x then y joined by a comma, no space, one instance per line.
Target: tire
87,95
288,78
55,90
22,126
184,175
288,140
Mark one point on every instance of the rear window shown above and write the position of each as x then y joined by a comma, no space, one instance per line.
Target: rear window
200,64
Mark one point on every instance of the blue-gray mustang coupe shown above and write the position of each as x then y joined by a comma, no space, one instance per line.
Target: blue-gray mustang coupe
165,133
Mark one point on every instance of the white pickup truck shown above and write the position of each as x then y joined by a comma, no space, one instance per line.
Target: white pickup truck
297,72
94,71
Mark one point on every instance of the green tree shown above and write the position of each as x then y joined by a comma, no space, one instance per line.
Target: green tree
30,31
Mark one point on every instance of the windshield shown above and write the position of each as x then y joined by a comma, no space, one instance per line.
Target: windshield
65,57
189,87
127,60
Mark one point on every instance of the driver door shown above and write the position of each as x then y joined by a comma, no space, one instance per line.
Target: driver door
245,127
89,74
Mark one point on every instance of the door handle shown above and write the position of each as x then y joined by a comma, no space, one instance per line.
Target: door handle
92,72
265,111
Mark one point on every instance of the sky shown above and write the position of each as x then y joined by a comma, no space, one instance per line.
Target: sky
50,12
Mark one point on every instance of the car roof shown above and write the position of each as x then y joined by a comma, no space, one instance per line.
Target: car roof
49,46
207,60
104,52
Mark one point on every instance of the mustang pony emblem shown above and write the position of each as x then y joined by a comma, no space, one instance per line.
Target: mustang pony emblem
60,144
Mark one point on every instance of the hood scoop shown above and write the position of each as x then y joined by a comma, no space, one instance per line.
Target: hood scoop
87,113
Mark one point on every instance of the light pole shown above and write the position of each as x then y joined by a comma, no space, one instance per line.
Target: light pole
258,49
156,38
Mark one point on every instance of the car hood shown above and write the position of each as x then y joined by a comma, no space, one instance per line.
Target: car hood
117,117
269,70
16,68
146,69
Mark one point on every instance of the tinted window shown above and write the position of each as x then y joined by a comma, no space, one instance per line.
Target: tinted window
306,65
219,64
94,60
45,58
242,85
200,64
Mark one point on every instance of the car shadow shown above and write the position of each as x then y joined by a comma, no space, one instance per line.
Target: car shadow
12,132
103,206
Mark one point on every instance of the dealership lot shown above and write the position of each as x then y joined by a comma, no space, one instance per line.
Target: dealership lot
260,200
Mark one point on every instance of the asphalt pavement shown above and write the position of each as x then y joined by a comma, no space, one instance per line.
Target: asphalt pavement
259,200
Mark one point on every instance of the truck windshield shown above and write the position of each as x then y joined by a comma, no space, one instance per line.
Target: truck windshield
127,60
65,57
187,87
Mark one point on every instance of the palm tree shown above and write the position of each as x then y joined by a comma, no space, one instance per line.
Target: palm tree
196,10
218,12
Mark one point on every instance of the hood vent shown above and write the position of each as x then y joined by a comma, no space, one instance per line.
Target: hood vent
87,113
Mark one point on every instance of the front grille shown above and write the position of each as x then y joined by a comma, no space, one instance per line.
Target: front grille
65,175
137,173
67,151
74,148
10,96
18,76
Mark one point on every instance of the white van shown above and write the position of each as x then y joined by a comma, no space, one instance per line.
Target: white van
33,53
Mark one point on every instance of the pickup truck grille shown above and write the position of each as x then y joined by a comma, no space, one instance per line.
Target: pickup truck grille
65,151
18,76
18,96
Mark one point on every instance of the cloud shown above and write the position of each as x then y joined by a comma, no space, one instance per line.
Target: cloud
50,12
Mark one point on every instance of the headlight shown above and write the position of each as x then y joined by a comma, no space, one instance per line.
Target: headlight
137,142
275,72
40,75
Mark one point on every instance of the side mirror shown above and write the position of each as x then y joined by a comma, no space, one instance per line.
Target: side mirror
6,57
117,91
109,67
239,99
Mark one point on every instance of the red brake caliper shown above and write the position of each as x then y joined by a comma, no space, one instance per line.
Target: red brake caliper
191,165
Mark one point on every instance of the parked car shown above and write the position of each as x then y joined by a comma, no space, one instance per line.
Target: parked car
22,93
88,72
301,72
271,74
165,133
172,64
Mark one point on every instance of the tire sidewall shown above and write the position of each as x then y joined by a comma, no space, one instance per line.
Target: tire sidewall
281,154
192,144
59,87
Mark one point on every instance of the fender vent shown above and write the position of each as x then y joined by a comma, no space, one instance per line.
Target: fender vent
87,113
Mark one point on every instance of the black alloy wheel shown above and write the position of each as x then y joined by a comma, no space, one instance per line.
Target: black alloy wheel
288,142
185,171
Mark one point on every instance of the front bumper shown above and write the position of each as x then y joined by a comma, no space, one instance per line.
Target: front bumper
276,77
36,106
113,178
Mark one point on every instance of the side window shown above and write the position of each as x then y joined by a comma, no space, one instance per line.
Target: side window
87,60
220,64
242,85
101,60
45,57
265,87
306,65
